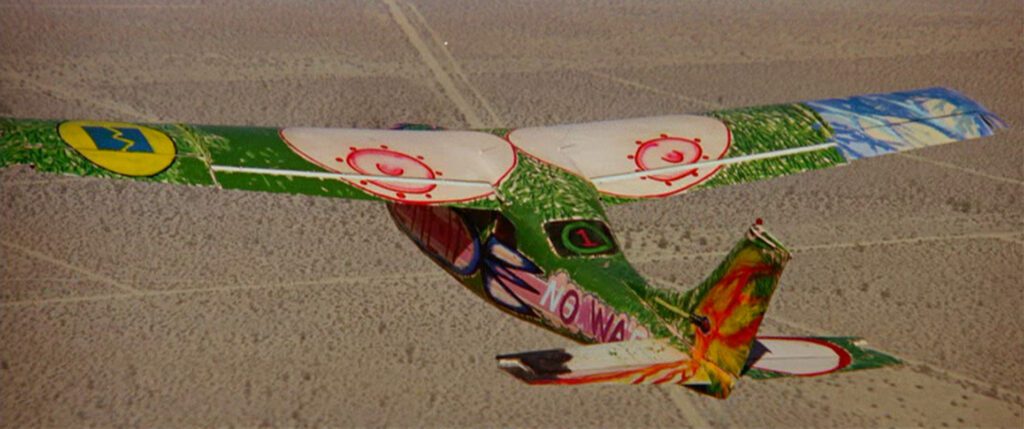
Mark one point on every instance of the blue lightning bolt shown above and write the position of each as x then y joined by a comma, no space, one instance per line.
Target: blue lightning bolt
118,135
118,139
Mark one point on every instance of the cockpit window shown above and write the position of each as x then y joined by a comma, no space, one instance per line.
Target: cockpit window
578,237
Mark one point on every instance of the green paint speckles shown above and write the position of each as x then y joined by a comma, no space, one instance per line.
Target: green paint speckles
549,192
757,130
771,128
290,185
265,148
37,143
536,193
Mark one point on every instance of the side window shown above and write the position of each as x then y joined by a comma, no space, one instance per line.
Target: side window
579,237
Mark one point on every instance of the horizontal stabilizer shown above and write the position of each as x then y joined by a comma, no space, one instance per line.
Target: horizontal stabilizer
774,357
652,361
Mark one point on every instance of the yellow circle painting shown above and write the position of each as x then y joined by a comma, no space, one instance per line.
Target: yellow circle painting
128,149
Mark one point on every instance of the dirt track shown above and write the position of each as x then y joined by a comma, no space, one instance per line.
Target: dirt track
127,303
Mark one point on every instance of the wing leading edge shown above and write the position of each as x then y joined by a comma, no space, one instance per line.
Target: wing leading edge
418,167
625,160
772,141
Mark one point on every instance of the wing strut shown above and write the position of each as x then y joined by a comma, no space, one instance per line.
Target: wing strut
713,163
349,176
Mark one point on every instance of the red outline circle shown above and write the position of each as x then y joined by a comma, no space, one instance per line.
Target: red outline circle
844,356
728,145
515,161
392,188
637,157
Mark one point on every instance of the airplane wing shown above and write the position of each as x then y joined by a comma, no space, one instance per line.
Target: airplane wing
408,166
661,156
626,160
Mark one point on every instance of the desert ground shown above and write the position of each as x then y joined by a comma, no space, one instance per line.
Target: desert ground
134,304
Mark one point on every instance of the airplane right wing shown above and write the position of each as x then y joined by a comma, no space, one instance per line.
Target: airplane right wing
657,157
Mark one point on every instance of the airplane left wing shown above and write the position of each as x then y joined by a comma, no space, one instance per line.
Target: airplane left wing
459,168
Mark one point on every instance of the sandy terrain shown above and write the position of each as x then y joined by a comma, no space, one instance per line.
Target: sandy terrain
126,303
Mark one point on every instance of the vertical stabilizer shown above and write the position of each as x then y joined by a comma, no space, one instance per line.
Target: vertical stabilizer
727,308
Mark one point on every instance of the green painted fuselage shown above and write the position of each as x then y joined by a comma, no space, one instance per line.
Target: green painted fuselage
551,223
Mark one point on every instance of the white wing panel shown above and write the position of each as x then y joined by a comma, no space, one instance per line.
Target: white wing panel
798,356
608,148
445,155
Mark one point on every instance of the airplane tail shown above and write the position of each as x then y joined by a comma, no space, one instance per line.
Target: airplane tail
718,324
725,311
727,308
714,339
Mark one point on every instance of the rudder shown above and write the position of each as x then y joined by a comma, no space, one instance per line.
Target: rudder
727,308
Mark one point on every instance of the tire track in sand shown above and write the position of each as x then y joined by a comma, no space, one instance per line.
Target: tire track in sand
496,120
68,266
78,95
970,171
136,294
447,84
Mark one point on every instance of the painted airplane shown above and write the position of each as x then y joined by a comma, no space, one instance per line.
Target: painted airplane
517,215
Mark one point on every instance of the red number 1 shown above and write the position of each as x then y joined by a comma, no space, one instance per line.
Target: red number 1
586,239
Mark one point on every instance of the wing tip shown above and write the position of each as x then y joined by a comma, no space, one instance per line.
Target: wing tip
876,124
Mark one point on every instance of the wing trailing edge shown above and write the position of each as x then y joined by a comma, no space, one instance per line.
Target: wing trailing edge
778,140
416,167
